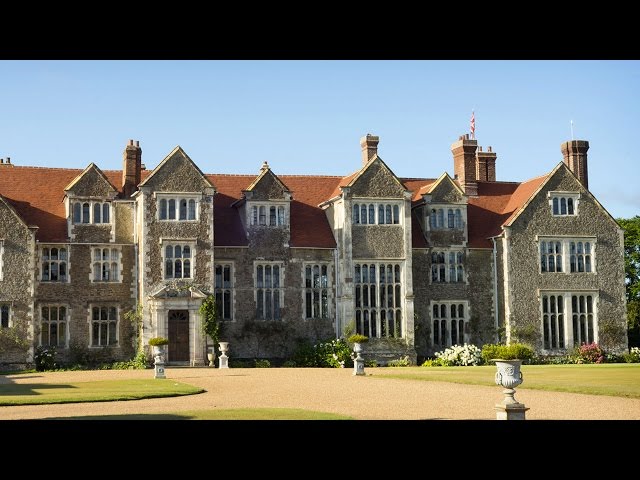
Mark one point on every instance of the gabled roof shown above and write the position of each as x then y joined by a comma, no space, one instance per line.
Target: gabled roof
177,149
266,170
427,189
10,208
92,167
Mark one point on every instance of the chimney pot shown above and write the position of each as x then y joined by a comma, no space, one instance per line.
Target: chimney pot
137,143
8,159
480,148
130,142
574,153
1,160
490,149
369,145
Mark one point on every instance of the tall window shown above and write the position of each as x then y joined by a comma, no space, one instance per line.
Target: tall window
447,267
376,213
449,323
106,265
4,315
177,261
54,264
104,326
378,300
268,215
568,319
573,255
564,203
268,290
53,325
316,295
177,208
91,212
224,290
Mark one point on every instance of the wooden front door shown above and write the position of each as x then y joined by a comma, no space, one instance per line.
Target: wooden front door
178,336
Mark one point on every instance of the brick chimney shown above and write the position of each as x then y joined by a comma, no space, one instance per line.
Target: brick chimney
574,153
486,165
131,167
464,163
369,146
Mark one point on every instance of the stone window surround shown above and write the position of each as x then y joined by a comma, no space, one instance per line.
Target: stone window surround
329,288
66,321
568,315
377,202
110,246
575,196
10,319
90,322
432,208
191,242
281,288
232,275
447,251
40,247
366,313
1,257
465,318
92,202
267,205
566,253
177,196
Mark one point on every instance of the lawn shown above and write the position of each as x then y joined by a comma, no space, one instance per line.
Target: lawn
223,414
97,391
616,379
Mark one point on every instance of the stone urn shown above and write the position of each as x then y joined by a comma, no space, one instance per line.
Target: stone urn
158,361
358,362
223,362
211,356
509,376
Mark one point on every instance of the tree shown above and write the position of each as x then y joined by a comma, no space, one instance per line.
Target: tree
631,229
210,322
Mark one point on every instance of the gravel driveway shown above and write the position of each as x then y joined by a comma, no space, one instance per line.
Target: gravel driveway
370,397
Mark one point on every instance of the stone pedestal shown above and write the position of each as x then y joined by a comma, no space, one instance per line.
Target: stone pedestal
158,361
511,411
358,362
223,361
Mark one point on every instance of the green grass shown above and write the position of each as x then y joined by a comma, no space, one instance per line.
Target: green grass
98,391
616,379
224,414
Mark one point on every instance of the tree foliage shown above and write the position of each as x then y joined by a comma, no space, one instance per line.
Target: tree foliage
210,322
631,229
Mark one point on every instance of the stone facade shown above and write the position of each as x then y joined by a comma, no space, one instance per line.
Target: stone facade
416,264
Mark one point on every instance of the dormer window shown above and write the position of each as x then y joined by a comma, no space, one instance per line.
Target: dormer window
91,211
376,213
564,203
177,207
445,218
268,215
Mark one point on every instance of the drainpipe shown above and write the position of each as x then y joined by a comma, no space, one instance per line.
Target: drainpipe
495,288
335,281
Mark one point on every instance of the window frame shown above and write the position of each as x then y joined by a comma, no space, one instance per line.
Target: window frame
310,291
90,216
1,258
261,214
445,217
91,321
465,319
6,307
556,197
260,316
65,321
568,328
41,262
566,254
231,289
178,198
191,243
109,261
368,208
458,265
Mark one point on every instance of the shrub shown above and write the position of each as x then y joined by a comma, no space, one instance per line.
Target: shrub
370,363
400,362
334,353
514,351
432,362
234,363
289,364
157,341
588,353
262,363
633,356
460,355
45,358
357,338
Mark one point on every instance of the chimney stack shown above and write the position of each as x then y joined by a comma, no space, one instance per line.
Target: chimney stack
486,165
131,167
369,145
574,153
464,163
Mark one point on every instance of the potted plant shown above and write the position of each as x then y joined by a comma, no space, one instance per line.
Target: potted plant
508,360
358,363
158,343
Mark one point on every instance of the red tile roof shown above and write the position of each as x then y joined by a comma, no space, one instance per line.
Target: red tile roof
37,194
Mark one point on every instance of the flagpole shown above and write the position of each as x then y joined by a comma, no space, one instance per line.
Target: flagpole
571,129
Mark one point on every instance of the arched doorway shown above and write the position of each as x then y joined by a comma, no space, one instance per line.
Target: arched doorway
178,336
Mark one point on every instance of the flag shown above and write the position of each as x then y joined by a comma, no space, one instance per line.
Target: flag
473,124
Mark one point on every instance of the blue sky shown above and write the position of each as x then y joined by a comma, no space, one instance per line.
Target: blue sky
306,117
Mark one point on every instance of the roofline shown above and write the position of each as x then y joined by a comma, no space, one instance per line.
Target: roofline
522,208
81,174
15,212
175,150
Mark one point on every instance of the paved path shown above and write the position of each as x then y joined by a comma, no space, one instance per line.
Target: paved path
371,397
